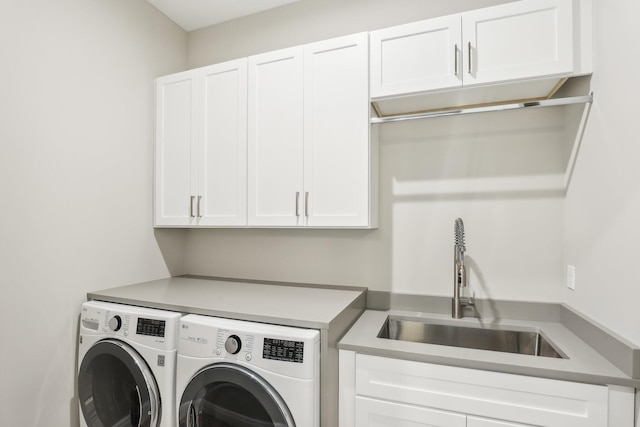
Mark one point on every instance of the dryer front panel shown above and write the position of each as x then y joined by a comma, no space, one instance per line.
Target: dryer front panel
225,394
116,387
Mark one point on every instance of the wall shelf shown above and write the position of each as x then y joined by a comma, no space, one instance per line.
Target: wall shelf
584,99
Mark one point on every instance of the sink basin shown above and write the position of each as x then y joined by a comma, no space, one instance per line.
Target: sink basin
526,341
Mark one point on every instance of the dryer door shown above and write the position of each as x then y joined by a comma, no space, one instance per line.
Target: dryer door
116,387
224,394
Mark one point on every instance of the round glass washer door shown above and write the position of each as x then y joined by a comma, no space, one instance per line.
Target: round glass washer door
228,395
116,387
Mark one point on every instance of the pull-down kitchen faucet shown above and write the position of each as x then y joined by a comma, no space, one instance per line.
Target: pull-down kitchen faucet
459,273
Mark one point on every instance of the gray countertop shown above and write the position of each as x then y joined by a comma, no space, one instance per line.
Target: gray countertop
301,306
583,363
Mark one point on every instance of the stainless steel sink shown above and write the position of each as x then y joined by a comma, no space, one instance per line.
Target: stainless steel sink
525,341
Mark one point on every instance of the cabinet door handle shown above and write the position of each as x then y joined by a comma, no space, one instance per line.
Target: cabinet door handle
191,207
306,204
297,203
198,210
469,47
455,55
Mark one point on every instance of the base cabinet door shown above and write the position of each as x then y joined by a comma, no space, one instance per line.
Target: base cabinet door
379,413
384,388
486,422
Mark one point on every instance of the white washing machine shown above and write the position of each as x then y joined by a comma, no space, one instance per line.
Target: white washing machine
235,373
126,366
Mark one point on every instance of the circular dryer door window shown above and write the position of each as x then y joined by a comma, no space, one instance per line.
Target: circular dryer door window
116,387
226,395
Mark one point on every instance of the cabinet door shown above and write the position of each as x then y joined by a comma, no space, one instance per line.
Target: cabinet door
416,57
486,422
222,154
275,149
380,413
336,141
176,133
524,39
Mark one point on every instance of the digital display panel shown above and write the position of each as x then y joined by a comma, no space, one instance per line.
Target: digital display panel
285,350
150,327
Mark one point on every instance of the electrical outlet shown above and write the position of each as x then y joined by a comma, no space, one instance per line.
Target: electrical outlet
571,277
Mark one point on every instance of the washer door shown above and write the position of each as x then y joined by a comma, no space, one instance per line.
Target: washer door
227,395
116,387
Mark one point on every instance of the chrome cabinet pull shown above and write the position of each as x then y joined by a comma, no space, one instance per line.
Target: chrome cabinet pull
469,57
198,210
306,204
191,207
297,203
455,55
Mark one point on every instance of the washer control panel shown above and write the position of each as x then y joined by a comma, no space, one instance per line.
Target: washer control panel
144,325
292,351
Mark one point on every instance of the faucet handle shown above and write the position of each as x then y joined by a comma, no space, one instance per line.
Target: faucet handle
470,300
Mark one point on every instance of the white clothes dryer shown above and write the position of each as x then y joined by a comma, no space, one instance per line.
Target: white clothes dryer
237,373
126,366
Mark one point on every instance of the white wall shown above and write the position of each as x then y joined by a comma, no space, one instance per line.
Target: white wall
76,144
603,202
429,172
311,20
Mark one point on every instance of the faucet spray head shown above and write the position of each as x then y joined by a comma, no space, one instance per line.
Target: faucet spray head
459,233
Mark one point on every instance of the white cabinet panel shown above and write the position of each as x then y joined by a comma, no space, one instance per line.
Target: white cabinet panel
222,166
426,64
336,132
486,422
201,142
514,398
416,57
275,135
518,40
176,110
379,413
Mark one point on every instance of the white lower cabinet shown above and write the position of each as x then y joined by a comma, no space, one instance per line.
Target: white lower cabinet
379,413
385,392
485,422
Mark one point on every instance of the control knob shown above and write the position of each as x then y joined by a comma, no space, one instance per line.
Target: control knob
115,323
233,344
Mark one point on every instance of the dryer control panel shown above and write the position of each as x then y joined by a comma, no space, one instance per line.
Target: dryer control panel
292,351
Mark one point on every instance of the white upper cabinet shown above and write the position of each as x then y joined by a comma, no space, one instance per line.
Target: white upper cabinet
309,151
517,41
176,134
201,145
522,50
222,154
276,138
336,133
416,57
